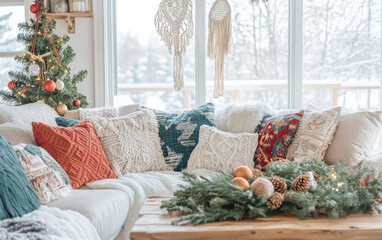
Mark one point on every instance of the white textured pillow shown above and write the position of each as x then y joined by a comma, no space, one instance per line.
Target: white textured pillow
222,151
315,133
355,138
28,113
16,132
131,143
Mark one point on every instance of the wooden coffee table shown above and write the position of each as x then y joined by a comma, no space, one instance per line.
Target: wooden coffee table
155,223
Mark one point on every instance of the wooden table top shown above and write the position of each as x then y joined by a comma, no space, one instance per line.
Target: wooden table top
155,223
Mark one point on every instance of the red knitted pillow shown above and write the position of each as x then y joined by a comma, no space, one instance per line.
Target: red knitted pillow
77,149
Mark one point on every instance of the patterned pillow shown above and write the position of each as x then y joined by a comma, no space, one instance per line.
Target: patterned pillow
77,149
131,143
66,122
179,133
16,194
275,137
45,175
222,151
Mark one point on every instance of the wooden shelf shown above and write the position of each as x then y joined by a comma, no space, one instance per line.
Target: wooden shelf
70,17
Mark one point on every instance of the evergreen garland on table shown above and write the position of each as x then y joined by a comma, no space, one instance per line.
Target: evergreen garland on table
52,82
338,192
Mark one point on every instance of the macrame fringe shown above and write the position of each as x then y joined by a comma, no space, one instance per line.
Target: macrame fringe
219,45
178,71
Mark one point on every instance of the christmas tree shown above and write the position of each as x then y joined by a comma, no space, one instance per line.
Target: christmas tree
45,67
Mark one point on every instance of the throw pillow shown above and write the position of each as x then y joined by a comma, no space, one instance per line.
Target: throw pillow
355,138
275,136
16,194
131,143
81,114
315,134
222,151
66,122
28,113
179,133
16,131
241,117
45,175
77,149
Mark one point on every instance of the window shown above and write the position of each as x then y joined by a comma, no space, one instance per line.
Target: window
11,13
340,62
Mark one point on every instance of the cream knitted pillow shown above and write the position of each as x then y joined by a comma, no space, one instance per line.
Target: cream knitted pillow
222,151
131,143
315,133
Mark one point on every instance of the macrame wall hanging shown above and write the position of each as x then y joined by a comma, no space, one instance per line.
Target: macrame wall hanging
219,40
175,26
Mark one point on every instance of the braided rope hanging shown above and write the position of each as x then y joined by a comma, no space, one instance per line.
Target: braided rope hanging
175,26
219,40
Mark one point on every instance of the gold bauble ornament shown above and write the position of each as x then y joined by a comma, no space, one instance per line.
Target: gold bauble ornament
242,171
262,186
61,109
242,182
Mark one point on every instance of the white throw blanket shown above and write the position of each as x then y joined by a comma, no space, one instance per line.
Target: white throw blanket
64,225
140,186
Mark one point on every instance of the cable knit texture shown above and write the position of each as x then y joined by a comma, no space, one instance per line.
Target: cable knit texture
314,135
45,175
222,151
131,143
16,194
77,149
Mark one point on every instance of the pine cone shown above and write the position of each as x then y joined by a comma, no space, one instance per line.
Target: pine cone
301,183
317,177
361,183
367,178
275,201
257,173
279,184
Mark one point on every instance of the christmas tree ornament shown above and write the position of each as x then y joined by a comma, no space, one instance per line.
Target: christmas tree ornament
301,183
275,201
279,184
242,182
61,109
34,70
175,26
256,173
242,171
11,85
49,86
262,186
219,40
34,8
25,88
317,177
60,85
77,102
39,58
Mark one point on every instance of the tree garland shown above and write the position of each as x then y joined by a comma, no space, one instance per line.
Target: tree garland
336,191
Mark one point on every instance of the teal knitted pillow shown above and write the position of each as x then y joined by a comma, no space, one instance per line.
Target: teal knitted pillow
179,132
16,194
66,122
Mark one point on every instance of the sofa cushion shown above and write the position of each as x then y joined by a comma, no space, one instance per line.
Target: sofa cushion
16,194
179,132
355,138
131,143
77,149
16,131
105,209
81,114
222,151
28,113
66,122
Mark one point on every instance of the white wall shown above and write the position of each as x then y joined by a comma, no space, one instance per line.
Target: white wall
82,43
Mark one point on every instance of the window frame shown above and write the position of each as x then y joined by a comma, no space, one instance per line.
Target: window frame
105,40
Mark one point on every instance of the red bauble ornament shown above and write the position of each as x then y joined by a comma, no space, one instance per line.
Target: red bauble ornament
34,8
77,103
12,84
25,88
49,86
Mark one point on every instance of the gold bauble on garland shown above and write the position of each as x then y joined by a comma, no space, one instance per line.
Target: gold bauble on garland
61,109
242,182
242,171
262,186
